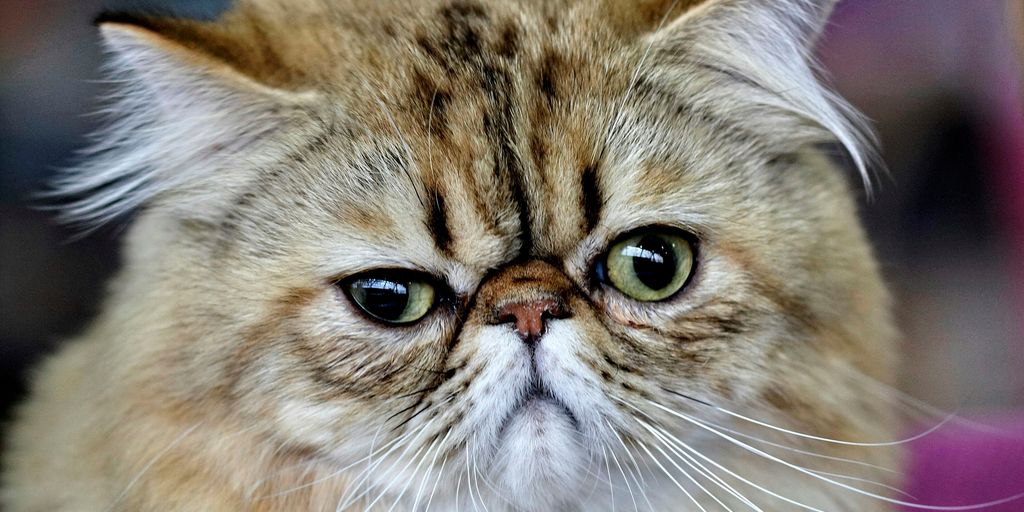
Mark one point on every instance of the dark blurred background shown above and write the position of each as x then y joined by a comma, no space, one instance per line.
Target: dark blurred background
939,78
51,82
942,81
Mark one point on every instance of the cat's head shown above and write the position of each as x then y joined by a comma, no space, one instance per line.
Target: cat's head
522,237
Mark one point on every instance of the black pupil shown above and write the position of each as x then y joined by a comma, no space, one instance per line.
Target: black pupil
654,262
382,298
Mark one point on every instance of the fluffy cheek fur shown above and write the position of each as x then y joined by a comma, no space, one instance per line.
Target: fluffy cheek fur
500,148
306,369
317,375
320,376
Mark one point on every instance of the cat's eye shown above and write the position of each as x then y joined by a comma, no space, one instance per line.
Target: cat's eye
648,265
392,297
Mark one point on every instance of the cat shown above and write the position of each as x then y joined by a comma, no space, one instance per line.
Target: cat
472,254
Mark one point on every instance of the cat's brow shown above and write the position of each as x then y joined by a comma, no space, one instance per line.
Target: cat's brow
437,222
464,49
591,200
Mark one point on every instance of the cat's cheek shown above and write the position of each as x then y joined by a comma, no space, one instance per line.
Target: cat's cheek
313,423
620,314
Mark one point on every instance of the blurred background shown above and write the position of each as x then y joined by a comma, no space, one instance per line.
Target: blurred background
940,79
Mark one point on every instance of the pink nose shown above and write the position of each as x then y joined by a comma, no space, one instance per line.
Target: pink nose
529,317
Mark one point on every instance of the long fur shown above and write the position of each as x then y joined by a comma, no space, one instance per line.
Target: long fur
495,151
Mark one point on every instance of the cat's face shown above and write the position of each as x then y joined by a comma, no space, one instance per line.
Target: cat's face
508,237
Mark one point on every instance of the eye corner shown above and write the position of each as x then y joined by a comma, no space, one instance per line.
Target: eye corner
600,268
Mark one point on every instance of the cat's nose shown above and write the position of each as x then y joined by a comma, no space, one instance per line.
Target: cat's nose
526,295
529,317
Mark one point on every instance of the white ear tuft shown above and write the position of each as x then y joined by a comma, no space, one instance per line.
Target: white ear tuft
765,47
178,120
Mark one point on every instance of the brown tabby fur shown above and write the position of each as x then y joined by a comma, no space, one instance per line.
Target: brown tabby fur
500,145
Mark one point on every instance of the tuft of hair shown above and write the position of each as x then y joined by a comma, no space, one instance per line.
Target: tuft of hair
767,50
171,128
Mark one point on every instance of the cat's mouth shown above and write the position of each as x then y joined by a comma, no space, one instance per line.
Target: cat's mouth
538,406
537,453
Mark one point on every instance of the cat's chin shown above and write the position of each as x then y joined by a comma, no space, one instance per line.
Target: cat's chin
539,461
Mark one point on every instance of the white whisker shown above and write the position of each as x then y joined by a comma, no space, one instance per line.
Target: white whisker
331,475
733,474
923,408
798,450
608,470
722,410
430,468
670,477
864,480
493,487
181,437
683,471
595,477
437,480
469,481
458,486
476,472
629,487
745,480
365,475
831,481
665,437
638,477
373,441
415,470
386,488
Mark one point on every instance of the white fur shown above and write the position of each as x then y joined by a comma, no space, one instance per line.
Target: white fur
770,43
178,128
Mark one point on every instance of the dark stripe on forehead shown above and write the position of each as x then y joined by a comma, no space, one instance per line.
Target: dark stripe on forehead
546,97
550,65
507,167
525,217
500,128
462,22
430,102
437,222
459,43
591,200
508,41
472,47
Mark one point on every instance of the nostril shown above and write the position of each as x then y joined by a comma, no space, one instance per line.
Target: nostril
505,317
529,317
554,309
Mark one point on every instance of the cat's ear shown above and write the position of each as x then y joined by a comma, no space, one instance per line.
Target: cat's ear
234,50
784,28
759,55
190,99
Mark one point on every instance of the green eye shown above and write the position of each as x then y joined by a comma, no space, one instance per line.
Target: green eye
395,299
648,266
